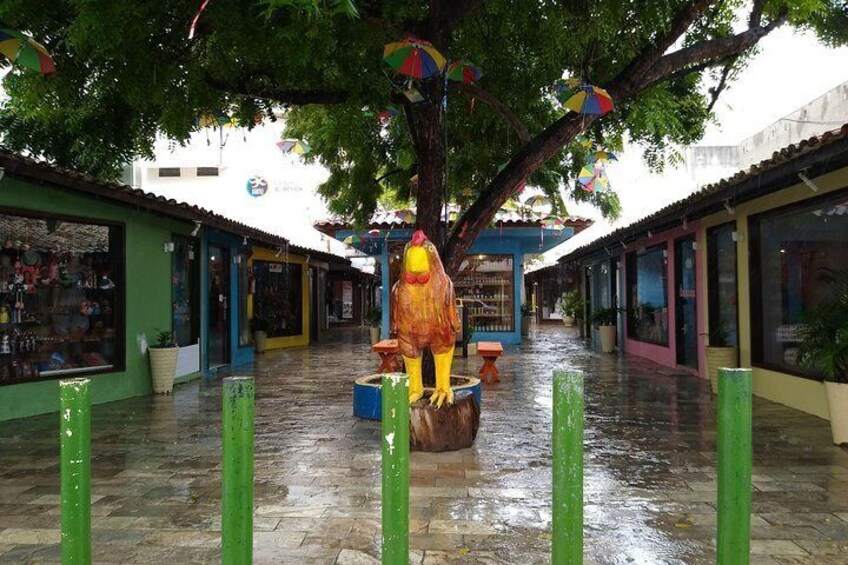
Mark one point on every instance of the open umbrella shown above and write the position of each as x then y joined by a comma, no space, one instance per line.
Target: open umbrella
387,114
590,100
26,52
597,182
586,176
296,146
565,88
414,58
584,141
553,223
464,71
353,240
602,155
407,217
537,200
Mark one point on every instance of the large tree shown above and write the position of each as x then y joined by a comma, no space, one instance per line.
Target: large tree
127,72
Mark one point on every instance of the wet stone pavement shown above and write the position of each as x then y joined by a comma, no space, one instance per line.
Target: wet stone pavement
649,484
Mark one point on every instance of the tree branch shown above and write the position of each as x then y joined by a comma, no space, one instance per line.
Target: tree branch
716,91
254,89
499,107
756,17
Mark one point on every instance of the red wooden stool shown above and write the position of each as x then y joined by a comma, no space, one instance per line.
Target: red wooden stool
387,350
489,351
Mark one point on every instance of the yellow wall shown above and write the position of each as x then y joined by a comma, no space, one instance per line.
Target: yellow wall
262,254
799,393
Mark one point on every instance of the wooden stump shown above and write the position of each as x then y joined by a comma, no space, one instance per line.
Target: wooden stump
448,428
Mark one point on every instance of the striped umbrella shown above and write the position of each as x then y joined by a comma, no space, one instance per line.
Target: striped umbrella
591,100
296,146
26,52
553,223
602,155
464,71
537,200
407,217
414,58
353,240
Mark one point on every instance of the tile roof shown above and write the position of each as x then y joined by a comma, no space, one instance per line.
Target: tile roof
816,156
31,169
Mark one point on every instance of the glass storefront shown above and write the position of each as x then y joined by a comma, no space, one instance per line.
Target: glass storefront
647,293
185,281
485,286
61,297
722,282
793,253
278,297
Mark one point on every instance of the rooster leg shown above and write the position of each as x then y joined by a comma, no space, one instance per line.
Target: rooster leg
443,392
416,385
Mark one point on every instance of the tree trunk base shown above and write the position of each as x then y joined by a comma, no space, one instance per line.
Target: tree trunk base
448,428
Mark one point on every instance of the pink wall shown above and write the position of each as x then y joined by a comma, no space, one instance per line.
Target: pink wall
667,355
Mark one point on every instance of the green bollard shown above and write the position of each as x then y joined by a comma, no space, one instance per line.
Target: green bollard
734,467
567,537
237,472
395,503
75,455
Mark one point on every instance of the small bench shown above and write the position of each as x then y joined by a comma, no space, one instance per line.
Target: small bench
387,350
489,351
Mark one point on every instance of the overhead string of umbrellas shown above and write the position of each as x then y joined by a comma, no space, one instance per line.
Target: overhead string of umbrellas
25,52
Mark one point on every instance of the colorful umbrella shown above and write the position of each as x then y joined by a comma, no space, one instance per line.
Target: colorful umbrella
25,52
590,100
537,200
407,217
464,71
414,58
296,146
586,176
353,240
553,223
217,120
598,182
602,155
387,114
584,141
565,88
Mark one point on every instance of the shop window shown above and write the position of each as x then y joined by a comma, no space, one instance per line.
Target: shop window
243,282
647,293
793,250
61,297
278,298
601,277
185,286
485,286
722,282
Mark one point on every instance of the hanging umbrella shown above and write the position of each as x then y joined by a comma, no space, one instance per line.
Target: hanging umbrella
553,223
353,240
407,217
584,141
464,71
602,155
387,114
296,146
26,52
414,58
590,100
537,200
598,182
586,176
565,88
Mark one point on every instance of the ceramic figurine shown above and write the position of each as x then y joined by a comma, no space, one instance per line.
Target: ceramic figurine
4,314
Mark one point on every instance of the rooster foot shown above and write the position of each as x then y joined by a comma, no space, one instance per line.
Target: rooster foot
440,396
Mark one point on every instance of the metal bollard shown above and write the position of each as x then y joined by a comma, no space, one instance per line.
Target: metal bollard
75,455
395,482
237,475
734,467
567,536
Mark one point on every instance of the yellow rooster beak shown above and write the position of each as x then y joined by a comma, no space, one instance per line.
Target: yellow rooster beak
416,260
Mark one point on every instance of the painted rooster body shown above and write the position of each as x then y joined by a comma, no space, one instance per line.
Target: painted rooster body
423,314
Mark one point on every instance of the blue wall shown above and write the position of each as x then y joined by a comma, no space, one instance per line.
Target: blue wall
238,355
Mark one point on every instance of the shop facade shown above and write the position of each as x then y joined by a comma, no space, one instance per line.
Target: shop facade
279,297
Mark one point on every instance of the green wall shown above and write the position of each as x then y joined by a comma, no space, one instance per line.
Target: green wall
148,292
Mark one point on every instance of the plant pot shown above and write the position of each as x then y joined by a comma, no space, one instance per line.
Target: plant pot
568,321
525,325
607,334
163,367
472,349
260,341
374,332
718,358
837,404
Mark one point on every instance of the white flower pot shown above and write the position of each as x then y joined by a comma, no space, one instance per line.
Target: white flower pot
375,334
472,349
837,404
719,358
163,367
607,334
525,325
568,321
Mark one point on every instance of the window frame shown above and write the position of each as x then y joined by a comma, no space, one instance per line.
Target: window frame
631,280
712,267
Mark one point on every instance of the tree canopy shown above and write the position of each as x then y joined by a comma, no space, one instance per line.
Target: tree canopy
127,71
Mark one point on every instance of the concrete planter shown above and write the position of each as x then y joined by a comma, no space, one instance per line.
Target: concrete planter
718,358
568,321
367,394
472,349
837,404
163,367
260,340
525,325
375,334
607,334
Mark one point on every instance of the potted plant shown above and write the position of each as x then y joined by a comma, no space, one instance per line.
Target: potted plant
570,306
719,353
374,319
259,327
605,320
527,312
163,362
823,345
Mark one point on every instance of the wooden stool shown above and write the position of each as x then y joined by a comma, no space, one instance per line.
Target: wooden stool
489,351
387,350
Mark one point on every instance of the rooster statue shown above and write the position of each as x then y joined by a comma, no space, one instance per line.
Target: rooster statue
424,315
